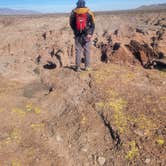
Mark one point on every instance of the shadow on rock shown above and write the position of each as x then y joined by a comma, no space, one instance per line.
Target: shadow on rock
72,67
50,66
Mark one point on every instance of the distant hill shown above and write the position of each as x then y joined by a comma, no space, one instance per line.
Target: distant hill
152,7
8,11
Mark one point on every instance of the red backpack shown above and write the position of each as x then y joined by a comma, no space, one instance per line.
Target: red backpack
81,22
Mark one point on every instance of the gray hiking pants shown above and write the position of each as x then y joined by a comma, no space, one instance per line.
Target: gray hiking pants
82,47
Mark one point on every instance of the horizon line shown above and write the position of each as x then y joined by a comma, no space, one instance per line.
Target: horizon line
65,12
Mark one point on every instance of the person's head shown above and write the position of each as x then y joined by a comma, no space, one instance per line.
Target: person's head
80,4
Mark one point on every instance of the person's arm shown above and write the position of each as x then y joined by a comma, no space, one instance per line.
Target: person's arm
72,20
91,24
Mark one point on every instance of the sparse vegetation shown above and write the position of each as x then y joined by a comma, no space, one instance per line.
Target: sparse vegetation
112,115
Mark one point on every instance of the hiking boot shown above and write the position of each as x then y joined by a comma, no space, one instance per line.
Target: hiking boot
78,69
88,69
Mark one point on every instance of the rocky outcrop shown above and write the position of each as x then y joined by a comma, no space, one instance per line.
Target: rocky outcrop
143,53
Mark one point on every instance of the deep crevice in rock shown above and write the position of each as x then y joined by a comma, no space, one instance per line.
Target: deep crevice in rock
114,134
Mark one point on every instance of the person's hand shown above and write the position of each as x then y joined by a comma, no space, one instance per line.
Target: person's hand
89,37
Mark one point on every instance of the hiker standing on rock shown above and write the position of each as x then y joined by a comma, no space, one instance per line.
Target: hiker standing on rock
82,24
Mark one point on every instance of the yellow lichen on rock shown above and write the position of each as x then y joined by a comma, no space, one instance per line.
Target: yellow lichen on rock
104,74
163,99
128,77
100,105
37,110
163,73
133,152
99,77
15,163
160,142
13,137
112,93
120,121
83,120
29,107
144,123
6,141
37,126
117,104
19,111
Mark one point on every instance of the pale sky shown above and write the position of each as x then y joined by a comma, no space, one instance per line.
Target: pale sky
68,5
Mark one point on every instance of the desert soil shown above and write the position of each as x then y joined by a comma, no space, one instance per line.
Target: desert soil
113,115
